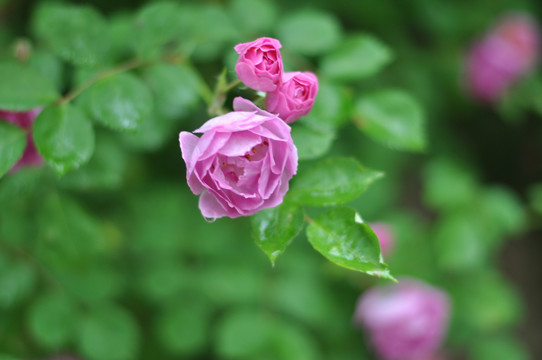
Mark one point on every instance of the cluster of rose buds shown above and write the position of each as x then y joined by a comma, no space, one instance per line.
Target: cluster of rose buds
405,321
245,159
291,94
506,53
24,120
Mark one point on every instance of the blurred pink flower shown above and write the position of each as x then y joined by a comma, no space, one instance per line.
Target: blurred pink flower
385,236
294,97
506,53
259,65
404,321
242,163
25,119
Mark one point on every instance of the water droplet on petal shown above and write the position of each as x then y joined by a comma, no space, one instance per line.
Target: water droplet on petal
209,220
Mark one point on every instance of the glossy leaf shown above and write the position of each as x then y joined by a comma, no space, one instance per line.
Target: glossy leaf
64,136
309,32
52,320
332,181
24,88
12,145
341,236
121,102
274,229
393,118
108,333
75,33
356,58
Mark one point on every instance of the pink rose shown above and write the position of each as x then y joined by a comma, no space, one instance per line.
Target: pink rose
242,163
295,97
259,65
508,52
405,321
385,236
25,119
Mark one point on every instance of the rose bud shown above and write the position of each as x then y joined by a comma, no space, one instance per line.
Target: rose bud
295,97
505,54
24,119
259,65
241,164
385,236
404,321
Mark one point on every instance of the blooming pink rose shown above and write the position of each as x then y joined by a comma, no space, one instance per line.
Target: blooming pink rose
295,97
259,65
242,163
508,52
25,119
405,321
385,236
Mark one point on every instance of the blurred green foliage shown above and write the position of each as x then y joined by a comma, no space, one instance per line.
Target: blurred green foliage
112,260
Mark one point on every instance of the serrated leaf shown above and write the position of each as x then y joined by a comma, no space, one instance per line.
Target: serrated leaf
12,145
121,102
309,32
341,237
274,229
24,88
52,320
332,181
75,33
64,136
108,333
393,118
356,58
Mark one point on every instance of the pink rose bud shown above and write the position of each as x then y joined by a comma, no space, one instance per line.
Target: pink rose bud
385,236
404,321
295,97
259,65
241,164
508,52
24,120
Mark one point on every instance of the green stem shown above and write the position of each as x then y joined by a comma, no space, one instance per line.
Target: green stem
232,85
129,65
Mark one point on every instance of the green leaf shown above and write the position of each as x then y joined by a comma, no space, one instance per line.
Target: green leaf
183,327
499,347
309,32
393,118
24,88
17,281
332,108
254,16
356,58
77,34
312,143
64,136
108,333
175,89
12,145
155,26
274,229
341,236
52,320
49,66
121,101
449,184
332,181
